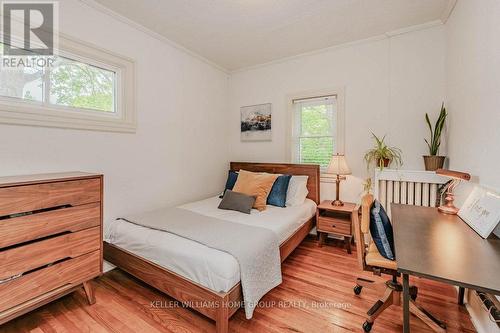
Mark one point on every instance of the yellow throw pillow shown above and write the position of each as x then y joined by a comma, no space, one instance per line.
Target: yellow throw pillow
255,184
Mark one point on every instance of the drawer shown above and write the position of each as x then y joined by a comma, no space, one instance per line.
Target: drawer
34,255
334,225
27,198
29,227
42,281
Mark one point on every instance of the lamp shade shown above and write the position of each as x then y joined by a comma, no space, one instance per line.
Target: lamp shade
338,166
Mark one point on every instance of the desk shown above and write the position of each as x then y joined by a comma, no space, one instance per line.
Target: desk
444,248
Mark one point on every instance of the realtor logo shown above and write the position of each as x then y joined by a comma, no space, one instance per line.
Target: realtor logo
28,28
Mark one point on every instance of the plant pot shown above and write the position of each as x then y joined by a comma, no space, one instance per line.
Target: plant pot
386,162
432,163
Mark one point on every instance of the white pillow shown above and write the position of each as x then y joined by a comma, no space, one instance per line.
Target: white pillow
297,191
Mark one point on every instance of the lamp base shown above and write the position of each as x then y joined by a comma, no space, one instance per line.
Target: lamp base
448,209
337,203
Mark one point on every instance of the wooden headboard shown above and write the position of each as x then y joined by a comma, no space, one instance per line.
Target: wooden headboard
310,170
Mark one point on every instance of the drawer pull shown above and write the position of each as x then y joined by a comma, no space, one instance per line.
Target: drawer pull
333,225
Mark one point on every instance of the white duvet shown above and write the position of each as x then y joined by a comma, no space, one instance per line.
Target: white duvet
211,268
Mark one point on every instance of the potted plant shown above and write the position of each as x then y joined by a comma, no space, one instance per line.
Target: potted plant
367,186
382,154
433,161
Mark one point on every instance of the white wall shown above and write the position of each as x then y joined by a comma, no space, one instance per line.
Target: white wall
178,153
389,85
473,98
473,93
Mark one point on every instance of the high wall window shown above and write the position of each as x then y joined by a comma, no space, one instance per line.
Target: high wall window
316,129
67,83
85,87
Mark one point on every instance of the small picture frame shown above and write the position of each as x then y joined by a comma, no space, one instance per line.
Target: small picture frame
255,124
481,211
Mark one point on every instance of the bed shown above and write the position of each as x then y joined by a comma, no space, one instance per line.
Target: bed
207,279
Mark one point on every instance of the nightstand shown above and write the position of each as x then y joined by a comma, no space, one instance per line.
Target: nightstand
336,220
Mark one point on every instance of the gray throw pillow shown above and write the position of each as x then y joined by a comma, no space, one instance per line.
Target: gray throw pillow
237,201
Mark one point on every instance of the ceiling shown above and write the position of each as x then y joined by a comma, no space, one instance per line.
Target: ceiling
240,33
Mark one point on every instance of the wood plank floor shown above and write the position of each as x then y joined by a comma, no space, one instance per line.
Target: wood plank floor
316,296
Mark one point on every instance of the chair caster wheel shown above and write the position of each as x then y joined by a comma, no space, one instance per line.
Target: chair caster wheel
357,289
367,327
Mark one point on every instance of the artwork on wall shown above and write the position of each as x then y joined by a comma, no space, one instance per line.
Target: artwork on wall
481,211
256,122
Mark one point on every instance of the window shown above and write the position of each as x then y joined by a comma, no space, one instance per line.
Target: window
67,83
85,87
78,85
317,131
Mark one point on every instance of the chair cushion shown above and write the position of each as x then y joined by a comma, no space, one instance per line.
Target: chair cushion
381,231
373,258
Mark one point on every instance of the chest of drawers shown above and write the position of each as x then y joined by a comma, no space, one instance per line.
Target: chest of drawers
50,238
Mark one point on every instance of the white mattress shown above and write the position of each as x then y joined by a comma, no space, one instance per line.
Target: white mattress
209,267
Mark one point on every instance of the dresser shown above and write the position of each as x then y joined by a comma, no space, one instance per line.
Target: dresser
50,238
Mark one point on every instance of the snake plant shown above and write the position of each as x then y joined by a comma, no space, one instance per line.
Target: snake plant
435,140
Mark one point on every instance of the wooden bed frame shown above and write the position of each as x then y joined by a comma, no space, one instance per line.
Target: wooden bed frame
217,306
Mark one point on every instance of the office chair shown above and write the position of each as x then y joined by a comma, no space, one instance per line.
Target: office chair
370,259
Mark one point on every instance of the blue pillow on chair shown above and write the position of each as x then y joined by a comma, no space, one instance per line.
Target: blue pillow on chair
232,177
381,231
277,196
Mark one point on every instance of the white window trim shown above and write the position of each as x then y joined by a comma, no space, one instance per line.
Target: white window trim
21,112
339,147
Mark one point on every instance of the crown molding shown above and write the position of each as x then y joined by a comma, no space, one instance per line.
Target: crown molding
105,10
97,6
413,28
310,53
372,39
445,15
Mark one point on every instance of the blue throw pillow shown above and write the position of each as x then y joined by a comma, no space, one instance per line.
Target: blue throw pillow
232,177
381,231
277,196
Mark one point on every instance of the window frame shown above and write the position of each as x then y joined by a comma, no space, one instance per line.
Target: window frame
35,113
339,130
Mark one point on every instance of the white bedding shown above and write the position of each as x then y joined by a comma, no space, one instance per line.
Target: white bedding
211,268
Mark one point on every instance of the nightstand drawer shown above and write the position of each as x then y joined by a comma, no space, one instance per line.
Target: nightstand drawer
334,225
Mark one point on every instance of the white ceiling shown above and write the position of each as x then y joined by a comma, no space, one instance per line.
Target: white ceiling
241,33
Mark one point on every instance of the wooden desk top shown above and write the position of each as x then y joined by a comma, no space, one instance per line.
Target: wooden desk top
443,247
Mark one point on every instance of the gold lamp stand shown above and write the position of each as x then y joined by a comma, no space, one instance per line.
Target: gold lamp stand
337,202
338,166
456,177
448,207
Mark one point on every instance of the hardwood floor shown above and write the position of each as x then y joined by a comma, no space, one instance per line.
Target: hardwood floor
316,296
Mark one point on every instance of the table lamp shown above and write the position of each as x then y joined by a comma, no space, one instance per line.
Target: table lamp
338,166
456,178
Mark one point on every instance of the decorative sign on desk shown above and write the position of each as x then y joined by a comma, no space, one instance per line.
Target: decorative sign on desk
481,211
